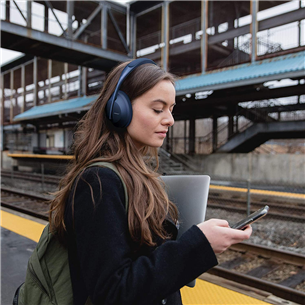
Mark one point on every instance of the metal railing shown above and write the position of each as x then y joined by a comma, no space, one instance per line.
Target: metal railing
281,38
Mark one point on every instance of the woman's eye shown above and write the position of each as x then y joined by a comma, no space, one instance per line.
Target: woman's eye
158,111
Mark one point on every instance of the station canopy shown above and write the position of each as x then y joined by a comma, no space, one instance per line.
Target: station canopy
62,108
287,66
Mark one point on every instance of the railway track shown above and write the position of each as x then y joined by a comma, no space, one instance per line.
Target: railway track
278,272
293,214
50,179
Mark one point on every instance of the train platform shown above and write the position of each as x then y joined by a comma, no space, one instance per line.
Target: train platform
20,233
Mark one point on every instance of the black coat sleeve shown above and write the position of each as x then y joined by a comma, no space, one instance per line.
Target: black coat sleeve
112,275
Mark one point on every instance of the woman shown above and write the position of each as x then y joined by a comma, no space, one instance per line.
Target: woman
130,257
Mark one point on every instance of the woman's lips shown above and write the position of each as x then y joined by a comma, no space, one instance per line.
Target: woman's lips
162,133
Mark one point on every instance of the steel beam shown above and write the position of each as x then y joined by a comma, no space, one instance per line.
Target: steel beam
89,20
118,30
165,35
61,42
233,98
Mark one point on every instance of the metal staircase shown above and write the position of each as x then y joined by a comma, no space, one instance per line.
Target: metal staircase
171,164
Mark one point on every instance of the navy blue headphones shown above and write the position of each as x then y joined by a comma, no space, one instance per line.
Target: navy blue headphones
118,108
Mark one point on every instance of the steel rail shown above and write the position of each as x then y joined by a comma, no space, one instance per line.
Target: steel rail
23,210
269,215
23,193
285,256
276,289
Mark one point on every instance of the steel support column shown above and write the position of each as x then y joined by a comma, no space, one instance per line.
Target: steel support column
70,13
80,81
104,29
2,115
165,35
46,19
254,11
128,27
192,136
7,10
12,95
300,26
133,29
66,81
184,137
49,77
204,21
230,126
29,14
215,133
84,80
35,81
23,88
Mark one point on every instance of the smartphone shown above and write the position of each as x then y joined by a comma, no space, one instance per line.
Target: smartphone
251,218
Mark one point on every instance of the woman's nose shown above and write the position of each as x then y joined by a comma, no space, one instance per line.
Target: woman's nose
169,119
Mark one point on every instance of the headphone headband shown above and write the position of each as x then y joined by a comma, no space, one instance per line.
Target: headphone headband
126,71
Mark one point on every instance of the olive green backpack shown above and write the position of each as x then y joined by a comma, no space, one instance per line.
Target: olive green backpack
48,275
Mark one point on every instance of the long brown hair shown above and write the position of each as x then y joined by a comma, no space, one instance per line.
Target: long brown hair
96,139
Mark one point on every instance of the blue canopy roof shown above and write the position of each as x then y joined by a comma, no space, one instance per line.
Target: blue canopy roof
292,65
63,107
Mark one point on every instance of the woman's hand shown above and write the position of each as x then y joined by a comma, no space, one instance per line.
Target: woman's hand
221,236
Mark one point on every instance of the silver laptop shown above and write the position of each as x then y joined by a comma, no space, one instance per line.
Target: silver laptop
190,194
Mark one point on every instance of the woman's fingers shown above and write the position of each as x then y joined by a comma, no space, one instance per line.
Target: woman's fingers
221,236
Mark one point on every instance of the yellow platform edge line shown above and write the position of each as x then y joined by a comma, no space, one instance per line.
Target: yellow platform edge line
212,294
22,226
258,192
40,156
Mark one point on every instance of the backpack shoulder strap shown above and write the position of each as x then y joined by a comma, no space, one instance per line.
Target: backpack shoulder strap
114,168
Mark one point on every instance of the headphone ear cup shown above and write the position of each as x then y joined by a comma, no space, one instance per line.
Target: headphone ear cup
121,111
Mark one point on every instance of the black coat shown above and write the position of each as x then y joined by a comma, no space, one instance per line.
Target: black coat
102,257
